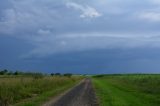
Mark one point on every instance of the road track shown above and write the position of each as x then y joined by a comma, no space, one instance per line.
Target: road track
81,95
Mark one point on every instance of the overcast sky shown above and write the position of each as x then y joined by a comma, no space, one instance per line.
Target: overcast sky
80,36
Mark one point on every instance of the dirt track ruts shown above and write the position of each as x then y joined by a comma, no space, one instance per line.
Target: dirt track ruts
81,95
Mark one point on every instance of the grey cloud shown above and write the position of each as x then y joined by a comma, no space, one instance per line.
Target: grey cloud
28,16
89,35
52,27
47,46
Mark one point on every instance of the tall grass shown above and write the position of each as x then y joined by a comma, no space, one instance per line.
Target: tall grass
14,89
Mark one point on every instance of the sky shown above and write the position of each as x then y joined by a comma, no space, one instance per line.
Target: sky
80,36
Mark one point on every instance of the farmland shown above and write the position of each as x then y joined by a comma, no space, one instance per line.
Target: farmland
127,90
99,90
31,90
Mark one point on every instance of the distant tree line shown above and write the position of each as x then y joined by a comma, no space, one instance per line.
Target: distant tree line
7,72
59,74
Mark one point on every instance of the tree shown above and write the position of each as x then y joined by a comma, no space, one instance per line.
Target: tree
3,72
68,74
16,73
58,74
52,74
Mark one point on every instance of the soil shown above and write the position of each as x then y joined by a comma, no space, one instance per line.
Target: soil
81,95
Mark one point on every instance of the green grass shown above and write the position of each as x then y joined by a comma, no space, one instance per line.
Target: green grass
30,91
128,90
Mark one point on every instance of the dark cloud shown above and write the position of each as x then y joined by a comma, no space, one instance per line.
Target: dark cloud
79,35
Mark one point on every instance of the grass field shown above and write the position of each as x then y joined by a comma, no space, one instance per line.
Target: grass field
31,91
128,90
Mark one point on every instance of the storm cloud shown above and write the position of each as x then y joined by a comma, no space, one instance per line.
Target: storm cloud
47,28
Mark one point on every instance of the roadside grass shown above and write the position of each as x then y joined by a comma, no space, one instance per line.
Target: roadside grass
31,91
128,90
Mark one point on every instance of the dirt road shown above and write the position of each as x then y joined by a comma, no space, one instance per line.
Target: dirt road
81,95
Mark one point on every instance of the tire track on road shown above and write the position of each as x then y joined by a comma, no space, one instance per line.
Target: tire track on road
81,95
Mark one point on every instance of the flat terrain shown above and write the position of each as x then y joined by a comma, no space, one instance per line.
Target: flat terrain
128,90
109,90
81,95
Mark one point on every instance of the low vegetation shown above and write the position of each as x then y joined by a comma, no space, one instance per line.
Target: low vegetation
33,89
128,90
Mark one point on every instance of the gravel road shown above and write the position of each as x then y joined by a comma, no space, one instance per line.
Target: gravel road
81,95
